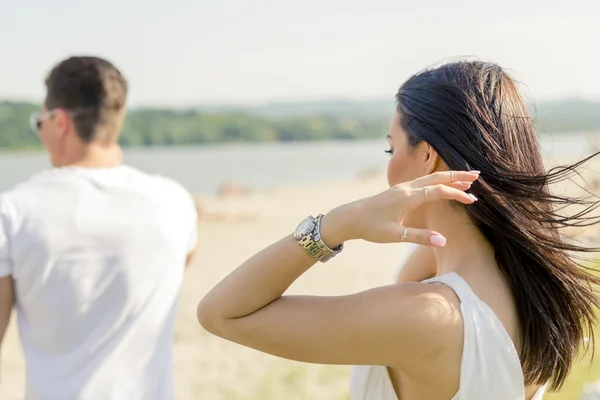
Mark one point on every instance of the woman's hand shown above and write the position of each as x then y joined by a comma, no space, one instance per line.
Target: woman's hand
378,219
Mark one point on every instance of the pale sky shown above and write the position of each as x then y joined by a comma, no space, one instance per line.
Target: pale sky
193,52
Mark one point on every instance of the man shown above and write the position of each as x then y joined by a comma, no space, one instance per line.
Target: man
95,250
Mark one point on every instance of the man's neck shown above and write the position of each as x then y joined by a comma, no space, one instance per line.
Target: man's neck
96,156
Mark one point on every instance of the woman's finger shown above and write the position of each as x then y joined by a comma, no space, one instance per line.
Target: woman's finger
461,185
445,177
428,194
423,237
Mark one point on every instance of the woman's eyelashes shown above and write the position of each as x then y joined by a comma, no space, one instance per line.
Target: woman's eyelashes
389,151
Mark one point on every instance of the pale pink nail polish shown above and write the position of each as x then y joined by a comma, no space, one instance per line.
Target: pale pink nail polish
437,240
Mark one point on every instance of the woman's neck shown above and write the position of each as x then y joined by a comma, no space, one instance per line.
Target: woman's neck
466,247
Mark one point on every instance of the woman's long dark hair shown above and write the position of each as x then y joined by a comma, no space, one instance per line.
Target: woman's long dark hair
472,114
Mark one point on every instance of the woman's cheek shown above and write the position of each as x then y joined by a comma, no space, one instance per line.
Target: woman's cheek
395,171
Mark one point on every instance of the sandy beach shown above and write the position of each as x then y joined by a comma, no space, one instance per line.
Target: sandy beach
209,368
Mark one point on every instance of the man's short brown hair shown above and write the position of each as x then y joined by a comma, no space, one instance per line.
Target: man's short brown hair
93,90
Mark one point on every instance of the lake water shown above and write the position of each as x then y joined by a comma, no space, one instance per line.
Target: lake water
259,165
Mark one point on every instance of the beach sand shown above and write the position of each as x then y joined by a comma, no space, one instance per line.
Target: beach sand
209,368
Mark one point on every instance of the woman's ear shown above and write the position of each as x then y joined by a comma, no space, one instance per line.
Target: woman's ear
432,160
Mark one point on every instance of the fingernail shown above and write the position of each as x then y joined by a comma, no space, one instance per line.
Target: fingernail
475,172
471,195
437,240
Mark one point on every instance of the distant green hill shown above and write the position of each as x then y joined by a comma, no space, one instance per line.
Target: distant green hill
338,108
568,116
324,120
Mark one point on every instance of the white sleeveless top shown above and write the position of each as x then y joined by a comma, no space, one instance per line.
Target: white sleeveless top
490,367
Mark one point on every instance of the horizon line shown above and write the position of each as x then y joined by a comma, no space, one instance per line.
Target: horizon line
291,102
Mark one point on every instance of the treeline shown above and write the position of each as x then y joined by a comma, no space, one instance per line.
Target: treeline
166,127
148,127
301,122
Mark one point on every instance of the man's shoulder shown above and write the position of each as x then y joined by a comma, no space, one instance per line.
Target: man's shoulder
168,185
28,187
59,182
39,183
67,176
166,188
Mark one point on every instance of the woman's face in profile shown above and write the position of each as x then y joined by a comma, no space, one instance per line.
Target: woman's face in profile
404,164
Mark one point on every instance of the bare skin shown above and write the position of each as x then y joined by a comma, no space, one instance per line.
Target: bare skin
413,328
6,304
419,333
419,266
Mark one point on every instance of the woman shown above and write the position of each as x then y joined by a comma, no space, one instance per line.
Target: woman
505,307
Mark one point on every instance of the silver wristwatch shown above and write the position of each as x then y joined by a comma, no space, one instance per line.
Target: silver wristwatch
308,235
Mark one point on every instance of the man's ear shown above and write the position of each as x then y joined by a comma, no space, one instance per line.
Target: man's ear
64,122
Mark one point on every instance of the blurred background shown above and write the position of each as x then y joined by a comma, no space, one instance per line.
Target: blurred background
268,111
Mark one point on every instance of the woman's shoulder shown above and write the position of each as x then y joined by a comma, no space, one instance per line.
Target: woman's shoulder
428,295
434,317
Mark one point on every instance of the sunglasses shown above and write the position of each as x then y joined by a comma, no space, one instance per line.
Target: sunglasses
37,119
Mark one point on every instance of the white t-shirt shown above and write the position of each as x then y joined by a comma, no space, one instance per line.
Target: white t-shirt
97,257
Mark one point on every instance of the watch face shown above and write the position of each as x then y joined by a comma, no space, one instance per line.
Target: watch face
304,228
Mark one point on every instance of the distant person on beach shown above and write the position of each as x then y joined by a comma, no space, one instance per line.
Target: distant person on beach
92,252
494,306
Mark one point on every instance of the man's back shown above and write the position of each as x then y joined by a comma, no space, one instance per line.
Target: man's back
97,256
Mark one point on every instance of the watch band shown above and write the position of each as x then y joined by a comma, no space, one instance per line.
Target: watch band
329,253
314,245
